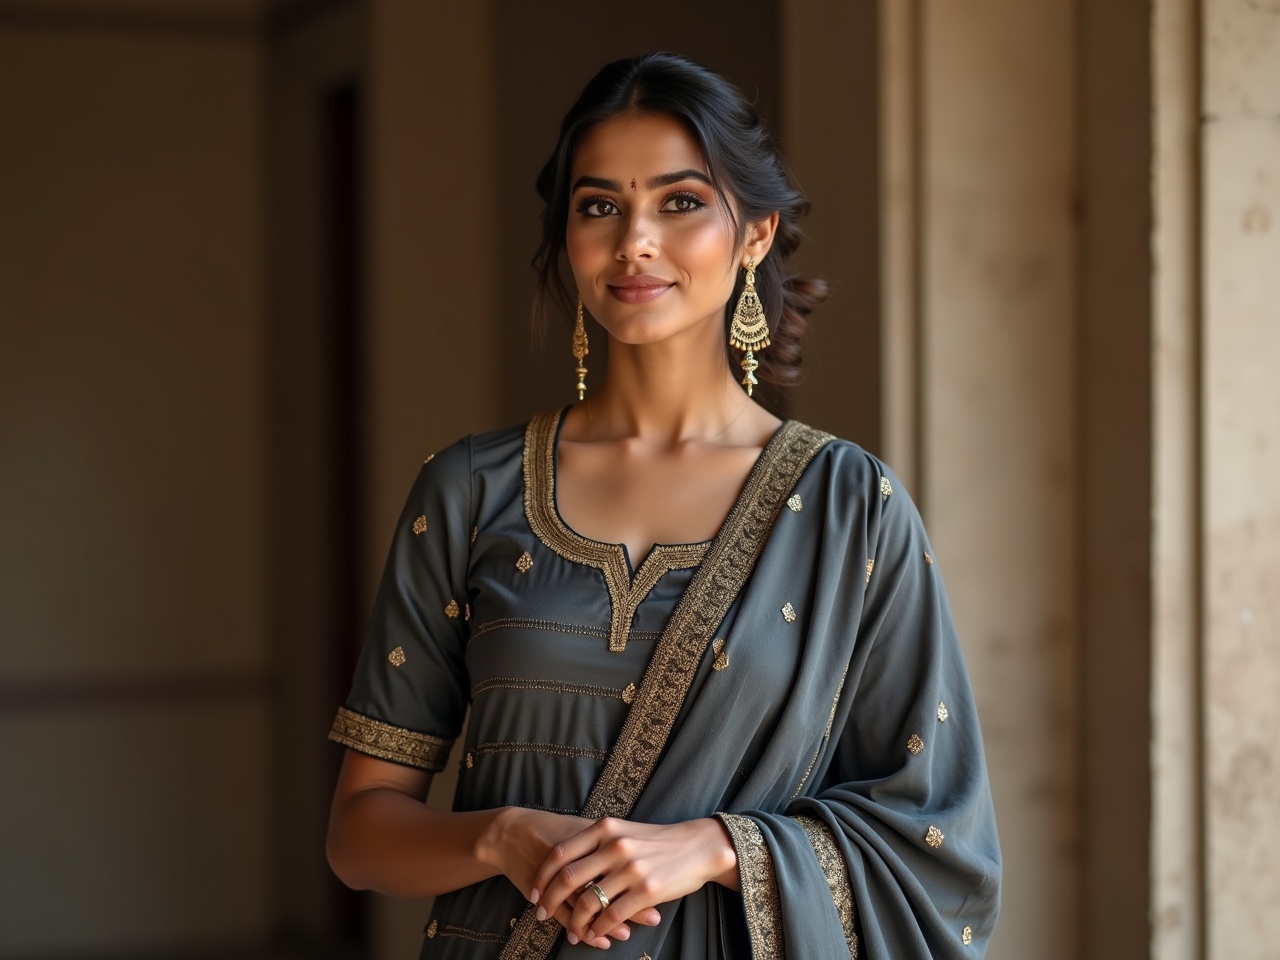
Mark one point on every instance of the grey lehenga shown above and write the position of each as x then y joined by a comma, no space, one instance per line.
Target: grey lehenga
799,676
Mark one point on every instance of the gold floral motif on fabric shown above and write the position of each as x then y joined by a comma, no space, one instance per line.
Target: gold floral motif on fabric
718,581
721,660
837,873
396,657
626,592
420,524
386,742
759,885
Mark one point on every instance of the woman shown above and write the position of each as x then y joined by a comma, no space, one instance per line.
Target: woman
761,740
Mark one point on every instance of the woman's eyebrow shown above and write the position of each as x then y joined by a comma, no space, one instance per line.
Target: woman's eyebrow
598,182
666,179
661,180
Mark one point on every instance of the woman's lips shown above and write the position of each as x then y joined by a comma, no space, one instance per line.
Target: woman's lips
638,289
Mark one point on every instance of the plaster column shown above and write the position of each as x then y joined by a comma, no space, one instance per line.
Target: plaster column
979,152
1240,211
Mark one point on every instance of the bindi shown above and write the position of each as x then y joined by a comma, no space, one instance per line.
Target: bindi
633,183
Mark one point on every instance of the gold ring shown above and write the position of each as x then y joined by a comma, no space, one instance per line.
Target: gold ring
600,894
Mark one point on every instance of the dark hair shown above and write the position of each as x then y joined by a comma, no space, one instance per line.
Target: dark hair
748,173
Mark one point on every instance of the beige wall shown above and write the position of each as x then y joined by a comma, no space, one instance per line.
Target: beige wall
134,668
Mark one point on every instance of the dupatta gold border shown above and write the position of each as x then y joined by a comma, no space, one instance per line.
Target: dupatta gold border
837,873
759,882
718,581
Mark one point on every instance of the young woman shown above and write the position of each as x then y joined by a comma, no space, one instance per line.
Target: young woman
717,704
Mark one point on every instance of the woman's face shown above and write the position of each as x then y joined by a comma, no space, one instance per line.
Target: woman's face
651,245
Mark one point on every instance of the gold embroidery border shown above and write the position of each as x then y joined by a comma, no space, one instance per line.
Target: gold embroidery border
837,873
759,884
553,749
625,592
555,626
549,686
826,734
388,742
465,933
728,564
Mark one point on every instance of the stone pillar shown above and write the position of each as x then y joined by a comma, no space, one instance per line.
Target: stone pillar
998,442
1240,473
1113,469
1176,767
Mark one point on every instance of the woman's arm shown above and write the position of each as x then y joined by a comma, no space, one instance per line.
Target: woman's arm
383,837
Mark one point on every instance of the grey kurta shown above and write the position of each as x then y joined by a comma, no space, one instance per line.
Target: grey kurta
829,720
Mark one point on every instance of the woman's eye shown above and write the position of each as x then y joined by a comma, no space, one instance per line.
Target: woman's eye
598,207
683,203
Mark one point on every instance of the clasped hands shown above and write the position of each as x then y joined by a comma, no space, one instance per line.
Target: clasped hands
552,858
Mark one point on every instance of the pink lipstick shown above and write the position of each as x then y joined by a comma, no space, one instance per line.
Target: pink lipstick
640,288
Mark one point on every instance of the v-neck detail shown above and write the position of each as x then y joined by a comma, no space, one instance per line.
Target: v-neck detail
627,588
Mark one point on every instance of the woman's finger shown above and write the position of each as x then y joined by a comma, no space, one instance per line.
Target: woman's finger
571,879
566,851
613,916
592,901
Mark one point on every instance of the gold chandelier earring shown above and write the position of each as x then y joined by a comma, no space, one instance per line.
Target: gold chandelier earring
580,351
749,330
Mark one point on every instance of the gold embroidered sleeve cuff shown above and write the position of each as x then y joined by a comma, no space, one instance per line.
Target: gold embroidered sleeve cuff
837,873
759,887
386,742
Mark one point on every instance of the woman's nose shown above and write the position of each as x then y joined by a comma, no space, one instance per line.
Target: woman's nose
638,240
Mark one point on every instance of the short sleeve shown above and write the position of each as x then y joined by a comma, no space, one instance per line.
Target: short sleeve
409,695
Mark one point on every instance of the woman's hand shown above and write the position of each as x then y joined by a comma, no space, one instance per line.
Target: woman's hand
636,865
520,840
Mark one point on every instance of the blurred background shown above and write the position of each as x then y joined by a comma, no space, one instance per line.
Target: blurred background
259,257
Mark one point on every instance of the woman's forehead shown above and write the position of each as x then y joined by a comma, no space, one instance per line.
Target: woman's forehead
633,145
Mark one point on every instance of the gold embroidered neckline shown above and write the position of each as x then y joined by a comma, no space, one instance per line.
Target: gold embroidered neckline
627,590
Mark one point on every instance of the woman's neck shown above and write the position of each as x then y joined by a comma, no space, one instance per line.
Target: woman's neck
669,396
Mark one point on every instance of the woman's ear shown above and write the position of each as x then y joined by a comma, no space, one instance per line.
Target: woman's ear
759,237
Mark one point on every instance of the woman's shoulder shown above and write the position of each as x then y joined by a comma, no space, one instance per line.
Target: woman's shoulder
481,453
851,467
